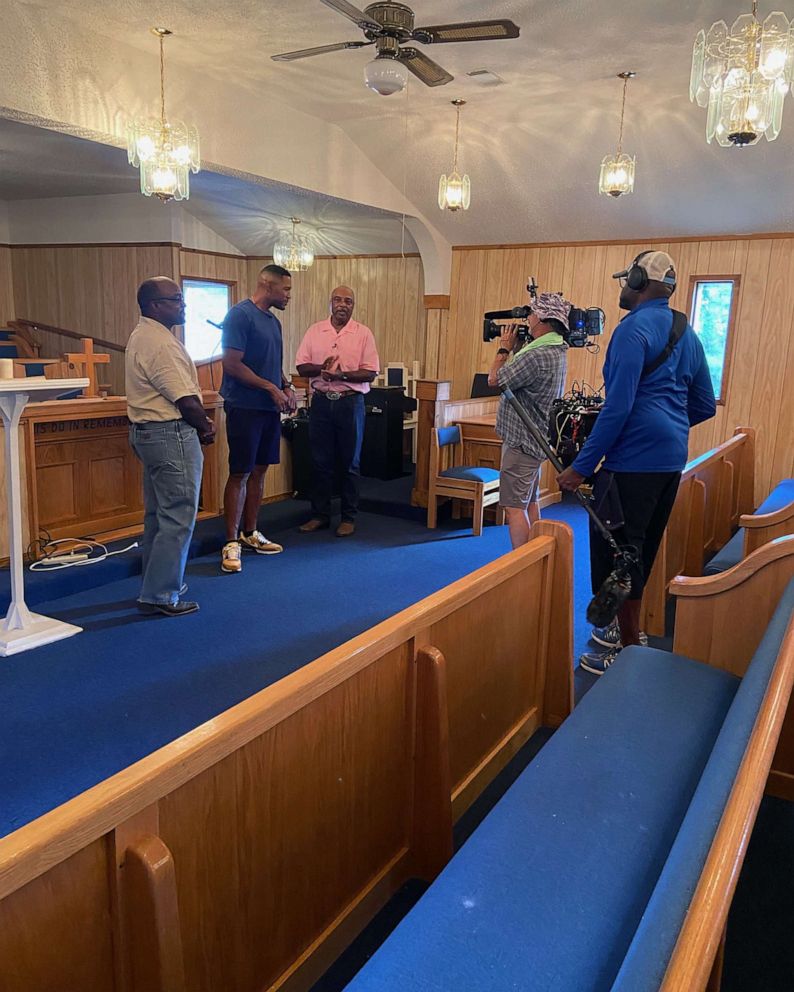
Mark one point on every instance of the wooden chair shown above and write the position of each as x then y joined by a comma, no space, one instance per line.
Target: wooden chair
459,482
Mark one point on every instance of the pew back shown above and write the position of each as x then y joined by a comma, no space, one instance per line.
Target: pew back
720,620
715,490
249,852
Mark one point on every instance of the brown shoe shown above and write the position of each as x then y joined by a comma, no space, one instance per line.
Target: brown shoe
316,523
345,529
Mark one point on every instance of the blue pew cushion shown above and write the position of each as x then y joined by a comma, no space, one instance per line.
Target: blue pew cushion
652,946
549,890
731,553
470,473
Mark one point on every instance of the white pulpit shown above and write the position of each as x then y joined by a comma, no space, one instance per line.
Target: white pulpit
22,629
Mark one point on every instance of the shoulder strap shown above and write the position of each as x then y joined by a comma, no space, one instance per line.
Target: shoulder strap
676,333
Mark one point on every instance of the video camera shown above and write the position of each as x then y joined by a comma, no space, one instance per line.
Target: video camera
582,323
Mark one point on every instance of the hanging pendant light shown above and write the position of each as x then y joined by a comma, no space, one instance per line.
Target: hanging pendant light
617,171
166,152
454,190
743,77
293,251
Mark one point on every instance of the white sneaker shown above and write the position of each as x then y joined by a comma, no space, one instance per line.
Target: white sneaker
230,557
259,543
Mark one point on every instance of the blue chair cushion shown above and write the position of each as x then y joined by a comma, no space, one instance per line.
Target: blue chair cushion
731,553
448,435
652,946
549,890
471,473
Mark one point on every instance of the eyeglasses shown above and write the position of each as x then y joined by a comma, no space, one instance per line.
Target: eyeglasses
169,299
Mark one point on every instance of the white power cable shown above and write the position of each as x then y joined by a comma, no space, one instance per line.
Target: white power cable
54,560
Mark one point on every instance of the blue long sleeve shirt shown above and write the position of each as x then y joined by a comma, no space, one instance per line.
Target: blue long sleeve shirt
644,423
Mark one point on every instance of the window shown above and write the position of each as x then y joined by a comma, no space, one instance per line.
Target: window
204,300
713,302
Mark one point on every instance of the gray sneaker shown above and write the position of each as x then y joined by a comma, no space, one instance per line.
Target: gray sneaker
597,662
609,636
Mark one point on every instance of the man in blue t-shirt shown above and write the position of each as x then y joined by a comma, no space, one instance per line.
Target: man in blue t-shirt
641,433
255,392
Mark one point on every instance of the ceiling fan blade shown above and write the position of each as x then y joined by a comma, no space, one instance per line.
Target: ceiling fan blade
437,34
425,69
357,16
305,53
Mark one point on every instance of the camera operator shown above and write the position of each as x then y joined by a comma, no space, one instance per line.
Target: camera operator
657,386
535,372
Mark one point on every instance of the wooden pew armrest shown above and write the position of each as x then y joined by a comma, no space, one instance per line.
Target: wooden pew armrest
752,521
711,585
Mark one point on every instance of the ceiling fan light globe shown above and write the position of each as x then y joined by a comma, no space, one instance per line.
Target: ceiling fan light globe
385,76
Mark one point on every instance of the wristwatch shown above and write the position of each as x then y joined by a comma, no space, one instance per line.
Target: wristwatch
503,351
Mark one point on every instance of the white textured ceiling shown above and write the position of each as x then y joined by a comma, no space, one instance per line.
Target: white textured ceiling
36,163
531,146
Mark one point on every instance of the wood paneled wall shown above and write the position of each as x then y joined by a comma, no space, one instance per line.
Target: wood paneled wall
6,286
86,288
91,289
389,293
758,392
194,264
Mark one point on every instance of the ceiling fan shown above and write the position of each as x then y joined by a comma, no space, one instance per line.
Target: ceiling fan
389,26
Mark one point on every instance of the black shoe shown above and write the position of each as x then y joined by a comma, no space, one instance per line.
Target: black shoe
168,609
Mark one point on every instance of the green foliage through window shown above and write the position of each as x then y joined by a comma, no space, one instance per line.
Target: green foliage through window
711,318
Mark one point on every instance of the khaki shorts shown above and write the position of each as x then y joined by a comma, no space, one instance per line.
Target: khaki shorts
519,481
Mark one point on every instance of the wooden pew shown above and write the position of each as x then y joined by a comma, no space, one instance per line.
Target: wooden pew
248,853
655,782
720,620
715,490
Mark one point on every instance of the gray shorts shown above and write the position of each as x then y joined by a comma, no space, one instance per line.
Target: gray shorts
519,481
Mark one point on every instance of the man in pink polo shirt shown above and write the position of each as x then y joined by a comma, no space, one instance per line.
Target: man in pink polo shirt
339,356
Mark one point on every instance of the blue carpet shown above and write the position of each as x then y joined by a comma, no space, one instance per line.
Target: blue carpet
81,710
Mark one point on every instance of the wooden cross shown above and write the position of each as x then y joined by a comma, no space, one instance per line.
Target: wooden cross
88,361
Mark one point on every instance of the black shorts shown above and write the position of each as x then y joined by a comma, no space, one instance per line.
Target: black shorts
254,438
647,500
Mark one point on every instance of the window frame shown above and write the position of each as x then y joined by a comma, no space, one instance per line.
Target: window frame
231,284
727,360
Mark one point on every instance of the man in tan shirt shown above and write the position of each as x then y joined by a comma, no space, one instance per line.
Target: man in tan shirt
168,425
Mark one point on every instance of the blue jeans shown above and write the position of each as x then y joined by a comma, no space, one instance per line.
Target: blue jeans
336,430
172,465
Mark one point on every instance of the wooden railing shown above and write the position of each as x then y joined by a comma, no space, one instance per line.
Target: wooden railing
715,490
249,852
24,325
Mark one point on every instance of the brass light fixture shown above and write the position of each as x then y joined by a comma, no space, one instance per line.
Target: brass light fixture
742,76
293,251
617,171
454,190
166,152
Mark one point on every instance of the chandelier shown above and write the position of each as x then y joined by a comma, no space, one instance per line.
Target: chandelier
454,190
293,251
617,171
166,152
742,76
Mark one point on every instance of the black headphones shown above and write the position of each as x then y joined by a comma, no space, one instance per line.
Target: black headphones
637,277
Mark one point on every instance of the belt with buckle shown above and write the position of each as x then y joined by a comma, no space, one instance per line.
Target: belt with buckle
333,395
